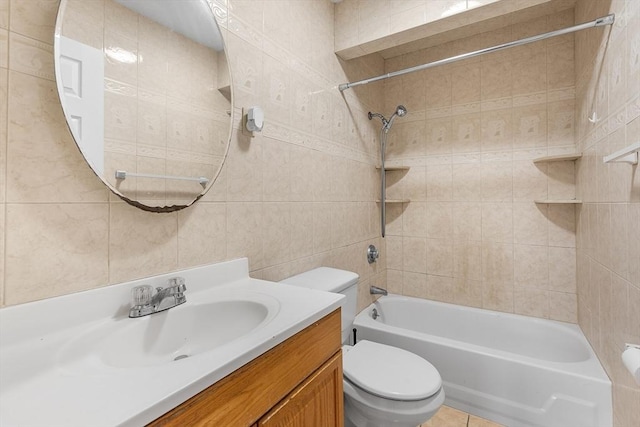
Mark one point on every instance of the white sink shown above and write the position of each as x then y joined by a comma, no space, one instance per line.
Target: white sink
169,336
73,353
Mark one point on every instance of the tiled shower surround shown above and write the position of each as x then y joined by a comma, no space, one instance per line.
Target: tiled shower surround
472,233
302,193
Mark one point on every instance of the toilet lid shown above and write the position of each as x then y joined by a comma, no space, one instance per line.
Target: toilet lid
390,372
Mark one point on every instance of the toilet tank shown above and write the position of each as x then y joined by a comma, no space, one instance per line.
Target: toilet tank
333,280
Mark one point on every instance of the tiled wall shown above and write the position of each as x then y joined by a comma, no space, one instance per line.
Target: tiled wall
298,195
472,234
163,112
608,227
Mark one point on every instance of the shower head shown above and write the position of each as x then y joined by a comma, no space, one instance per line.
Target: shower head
401,111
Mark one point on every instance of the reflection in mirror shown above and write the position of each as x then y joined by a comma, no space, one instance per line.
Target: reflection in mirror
145,88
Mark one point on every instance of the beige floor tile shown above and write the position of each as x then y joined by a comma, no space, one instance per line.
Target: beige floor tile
447,417
481,422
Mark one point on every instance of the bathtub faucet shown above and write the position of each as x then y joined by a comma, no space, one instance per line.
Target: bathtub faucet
374,290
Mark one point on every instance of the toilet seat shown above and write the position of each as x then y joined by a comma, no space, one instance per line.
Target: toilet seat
390,372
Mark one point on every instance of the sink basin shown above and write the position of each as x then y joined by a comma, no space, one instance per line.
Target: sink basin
169,336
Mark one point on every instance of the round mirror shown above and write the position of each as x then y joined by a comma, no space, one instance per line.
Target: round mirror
145,89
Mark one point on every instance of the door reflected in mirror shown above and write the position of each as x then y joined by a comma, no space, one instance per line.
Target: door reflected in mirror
145,89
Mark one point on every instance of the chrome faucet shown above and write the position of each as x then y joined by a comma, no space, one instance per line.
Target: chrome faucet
374,290
145,302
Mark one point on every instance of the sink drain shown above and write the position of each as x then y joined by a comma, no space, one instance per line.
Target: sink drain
182,356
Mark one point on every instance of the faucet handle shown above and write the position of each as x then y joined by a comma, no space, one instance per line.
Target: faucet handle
142,295
178,282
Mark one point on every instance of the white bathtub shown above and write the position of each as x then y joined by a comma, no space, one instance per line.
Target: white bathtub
514,370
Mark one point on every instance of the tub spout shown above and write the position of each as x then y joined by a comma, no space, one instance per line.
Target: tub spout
374,290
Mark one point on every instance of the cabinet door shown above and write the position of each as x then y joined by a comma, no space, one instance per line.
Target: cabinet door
317,402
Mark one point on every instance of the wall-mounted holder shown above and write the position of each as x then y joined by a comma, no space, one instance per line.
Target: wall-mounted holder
252,120
627,155
631,360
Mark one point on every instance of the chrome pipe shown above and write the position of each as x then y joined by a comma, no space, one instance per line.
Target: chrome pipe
605,20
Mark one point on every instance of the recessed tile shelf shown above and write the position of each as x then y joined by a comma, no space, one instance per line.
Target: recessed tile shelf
558,158
560,202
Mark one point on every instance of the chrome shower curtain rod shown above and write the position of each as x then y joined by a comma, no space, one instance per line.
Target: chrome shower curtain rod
605,20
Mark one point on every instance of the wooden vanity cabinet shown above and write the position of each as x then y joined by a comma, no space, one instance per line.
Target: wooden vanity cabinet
298,383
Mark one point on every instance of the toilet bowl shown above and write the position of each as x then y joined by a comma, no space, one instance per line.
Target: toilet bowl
384,386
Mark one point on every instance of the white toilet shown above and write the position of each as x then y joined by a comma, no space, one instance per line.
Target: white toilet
383,386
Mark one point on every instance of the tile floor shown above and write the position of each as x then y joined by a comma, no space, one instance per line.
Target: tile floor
449,417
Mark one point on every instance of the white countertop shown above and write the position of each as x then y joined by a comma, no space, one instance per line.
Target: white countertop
43,382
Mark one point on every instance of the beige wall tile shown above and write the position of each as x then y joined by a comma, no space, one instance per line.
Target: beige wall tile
497,181
562,225
245,231
276,223
530,224
440,258
34,18
114,67
497,222
633,213
414,254
562,269
529,181
414,284
31,56
497,263
52,249
4,14
497,296
3,132
202,234
277,170
35,115
140,244
301,229
439,183
563,307
467,182
467,261
531,302
439,220
245,168
84,21
467,221
4,48
531,267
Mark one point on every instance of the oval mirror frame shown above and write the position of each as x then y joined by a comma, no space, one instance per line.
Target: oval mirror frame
146,95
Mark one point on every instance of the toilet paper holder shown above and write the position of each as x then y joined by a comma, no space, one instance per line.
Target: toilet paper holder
631,360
